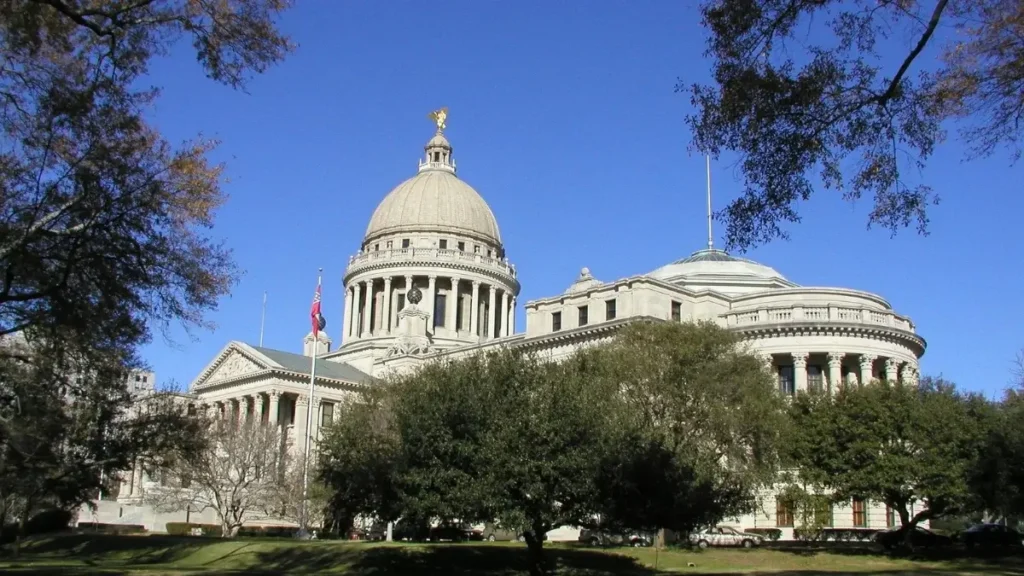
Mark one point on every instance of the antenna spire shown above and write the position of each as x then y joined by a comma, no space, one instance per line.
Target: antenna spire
711,242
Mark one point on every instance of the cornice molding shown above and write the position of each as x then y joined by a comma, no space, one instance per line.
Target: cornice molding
841,329
507,280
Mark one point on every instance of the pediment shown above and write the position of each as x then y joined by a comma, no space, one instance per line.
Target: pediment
233,365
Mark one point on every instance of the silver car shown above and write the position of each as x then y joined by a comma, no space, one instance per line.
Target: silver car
725,536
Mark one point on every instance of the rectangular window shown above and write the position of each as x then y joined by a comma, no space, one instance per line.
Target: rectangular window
891,517
556,321
783,513
390,244
609,309
860,514
462,246
677,311
815,378
376,247
584,312
442,244
787,385
823,513
440,300
328,414
399,303
405,243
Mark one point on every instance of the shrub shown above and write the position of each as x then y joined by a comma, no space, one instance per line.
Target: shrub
771,534
112,528
193,529
808,534
848,534
47,521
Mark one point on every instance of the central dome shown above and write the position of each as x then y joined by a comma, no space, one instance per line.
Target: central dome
435,200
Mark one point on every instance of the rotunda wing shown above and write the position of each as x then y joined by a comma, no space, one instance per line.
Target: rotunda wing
713,262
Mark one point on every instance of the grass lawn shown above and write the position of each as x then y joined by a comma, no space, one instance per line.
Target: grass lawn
166,555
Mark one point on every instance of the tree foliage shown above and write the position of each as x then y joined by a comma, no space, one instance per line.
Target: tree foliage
700,426
804,86
999,476
241,473
914,448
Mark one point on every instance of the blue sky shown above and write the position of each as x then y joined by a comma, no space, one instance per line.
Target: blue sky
564,117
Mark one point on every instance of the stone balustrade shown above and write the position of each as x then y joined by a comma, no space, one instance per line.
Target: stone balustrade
432,255
810,314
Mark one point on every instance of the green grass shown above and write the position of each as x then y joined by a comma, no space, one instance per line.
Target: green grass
166,555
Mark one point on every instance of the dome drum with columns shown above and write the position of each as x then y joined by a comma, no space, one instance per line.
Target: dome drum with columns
431,279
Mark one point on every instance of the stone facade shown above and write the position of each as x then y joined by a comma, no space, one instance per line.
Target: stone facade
431,279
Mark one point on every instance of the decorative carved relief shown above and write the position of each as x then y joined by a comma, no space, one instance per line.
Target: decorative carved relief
233,366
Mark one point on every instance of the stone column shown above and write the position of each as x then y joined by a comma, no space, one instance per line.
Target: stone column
261,408
244,403
318,403
474,311
892,366
512,317
492,309
800,371
866,360
430,301
386,314
835,370
367,309
275,404
353,328
299,431
907,373
452,303
348,315
504,313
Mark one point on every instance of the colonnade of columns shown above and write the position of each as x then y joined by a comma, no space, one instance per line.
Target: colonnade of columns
283,409
463,307
799,371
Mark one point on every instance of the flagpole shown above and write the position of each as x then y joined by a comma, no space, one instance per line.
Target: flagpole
263,317
309,418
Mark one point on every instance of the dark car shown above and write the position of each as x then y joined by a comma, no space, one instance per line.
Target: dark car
452,532
919,538
991,536
494,533
404,529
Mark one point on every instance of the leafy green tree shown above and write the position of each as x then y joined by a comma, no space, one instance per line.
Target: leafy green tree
700,426
904,445
999,477
803,86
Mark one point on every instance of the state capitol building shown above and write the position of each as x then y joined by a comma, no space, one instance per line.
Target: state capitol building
431,278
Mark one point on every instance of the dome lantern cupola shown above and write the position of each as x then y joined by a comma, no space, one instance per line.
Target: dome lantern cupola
438,150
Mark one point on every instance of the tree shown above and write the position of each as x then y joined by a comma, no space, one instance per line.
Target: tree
65,436
103,224
999,475
891,442
240,474
699,429
860,111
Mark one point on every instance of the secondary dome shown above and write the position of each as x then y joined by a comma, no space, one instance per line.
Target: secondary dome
435,200
711,262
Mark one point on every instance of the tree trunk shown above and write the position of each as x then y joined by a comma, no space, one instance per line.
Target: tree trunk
535,546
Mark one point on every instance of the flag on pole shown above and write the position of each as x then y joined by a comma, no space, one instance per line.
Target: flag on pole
318,320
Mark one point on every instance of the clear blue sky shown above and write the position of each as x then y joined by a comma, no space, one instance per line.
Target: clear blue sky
563,115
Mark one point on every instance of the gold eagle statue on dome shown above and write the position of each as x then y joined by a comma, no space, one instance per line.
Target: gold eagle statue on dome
439,116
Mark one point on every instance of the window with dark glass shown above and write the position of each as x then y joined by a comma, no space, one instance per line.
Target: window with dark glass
860,514
328,414
389,245
405,243
787,384
677,311
890,516
462,246
556,321
400,304
442,244
440,300
783,513
823,513
609,309
815,378
583,311
376,247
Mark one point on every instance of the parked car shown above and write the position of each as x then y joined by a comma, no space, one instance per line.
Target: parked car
991,535
919,538
493,533
452,532
404,529
605,538
725,536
